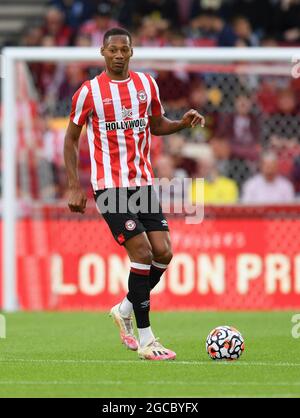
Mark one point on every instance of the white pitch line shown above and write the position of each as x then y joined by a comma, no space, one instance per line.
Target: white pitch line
150,383
273,395
175,362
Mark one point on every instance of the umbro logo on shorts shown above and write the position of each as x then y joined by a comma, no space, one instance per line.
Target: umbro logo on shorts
130,225
164,222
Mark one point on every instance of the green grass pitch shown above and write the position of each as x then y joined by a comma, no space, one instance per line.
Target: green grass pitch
80,355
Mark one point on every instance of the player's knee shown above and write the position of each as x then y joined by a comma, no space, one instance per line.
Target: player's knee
143,254
167,256
163,255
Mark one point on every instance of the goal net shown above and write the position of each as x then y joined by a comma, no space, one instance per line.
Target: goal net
244,255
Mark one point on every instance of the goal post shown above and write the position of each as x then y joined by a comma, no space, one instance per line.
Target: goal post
12,55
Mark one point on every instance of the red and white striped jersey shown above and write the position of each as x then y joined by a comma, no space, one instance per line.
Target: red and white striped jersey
116,114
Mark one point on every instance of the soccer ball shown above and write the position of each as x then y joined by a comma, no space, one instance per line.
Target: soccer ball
224,343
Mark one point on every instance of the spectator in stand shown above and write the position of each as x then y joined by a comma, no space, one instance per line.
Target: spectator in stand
266,95
198,99
166,172
164,167
174,90
124,12
76,11
200,33
236,169
209,29
84,41
55,26
201,6
153,32
218,190
75,75
175,38
175,146
295,85
288,152
157,9
286,102
46,73
223,32
296,174
269,40
48,41
50,168
32,36
242,128
184,11
285,121
221,150
244,32
250,8
99,24
268,187
286,21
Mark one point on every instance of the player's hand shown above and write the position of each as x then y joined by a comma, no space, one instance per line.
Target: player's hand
77,200
192,118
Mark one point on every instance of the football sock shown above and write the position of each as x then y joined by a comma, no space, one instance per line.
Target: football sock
139,293
156,271
125,308
145,336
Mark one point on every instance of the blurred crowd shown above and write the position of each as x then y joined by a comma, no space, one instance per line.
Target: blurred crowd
170,22
245,153
249,151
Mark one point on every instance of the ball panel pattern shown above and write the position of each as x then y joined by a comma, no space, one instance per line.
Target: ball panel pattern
225,343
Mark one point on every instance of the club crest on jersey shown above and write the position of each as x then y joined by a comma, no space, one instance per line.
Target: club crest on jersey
142,96
130,225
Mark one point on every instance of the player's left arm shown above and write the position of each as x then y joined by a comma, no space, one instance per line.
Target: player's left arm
160,125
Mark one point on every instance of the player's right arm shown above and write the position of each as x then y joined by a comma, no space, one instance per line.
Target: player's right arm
82,106
77,197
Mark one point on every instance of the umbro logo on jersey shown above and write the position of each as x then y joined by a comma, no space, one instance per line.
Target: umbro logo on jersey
126,113
142,96
107,101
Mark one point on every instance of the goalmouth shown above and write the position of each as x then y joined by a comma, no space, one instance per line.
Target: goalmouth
12,55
